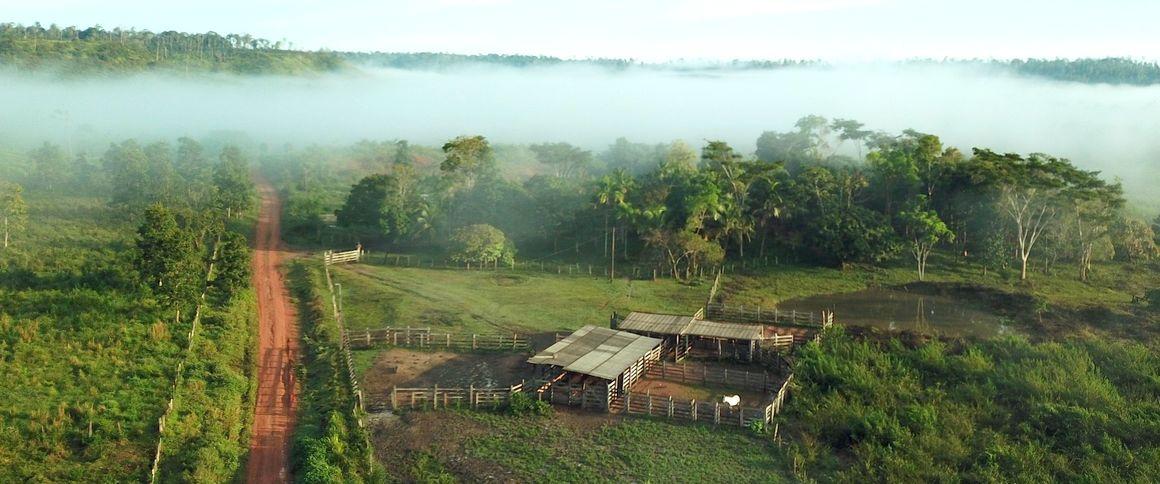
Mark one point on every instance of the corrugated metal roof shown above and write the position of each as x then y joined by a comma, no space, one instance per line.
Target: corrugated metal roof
714,329
687,325
600,352
655,323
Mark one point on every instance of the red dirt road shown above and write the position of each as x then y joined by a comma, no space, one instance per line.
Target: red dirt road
278,347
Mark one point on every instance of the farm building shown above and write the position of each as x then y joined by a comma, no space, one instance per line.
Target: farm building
684,334
593,366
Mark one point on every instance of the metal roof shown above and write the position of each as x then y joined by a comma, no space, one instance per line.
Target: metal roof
655,323
687,325
599,352
714,329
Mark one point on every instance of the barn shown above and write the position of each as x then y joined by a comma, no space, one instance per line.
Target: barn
593,366
682,335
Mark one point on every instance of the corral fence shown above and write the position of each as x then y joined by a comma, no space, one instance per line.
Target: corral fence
759,315
635,403
709,375
637,272
436,397
344,340
425,338
331,257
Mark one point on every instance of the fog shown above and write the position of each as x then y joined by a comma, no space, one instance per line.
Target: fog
1111,128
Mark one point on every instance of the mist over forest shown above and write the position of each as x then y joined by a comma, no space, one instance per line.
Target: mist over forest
1104,127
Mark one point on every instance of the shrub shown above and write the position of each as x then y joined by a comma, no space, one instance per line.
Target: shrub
521,404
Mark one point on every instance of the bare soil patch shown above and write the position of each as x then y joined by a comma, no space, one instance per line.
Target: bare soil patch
399,367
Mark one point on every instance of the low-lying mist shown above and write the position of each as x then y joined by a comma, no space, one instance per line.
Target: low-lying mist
1110,128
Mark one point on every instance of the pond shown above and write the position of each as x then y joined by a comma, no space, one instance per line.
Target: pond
898,310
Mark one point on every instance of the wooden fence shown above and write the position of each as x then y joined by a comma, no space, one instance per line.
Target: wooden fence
758,314
425,338
344,347
445,397
712,376
692,410
180,370
331,257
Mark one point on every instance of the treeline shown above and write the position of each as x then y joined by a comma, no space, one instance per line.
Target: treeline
1107,70
101,281
827,192
117,50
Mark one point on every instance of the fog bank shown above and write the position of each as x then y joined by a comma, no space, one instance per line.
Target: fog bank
1112,128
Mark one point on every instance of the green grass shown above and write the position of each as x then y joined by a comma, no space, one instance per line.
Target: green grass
541,449
486,301
1002,410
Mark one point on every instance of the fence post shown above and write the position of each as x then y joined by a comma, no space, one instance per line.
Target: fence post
449,340
473,345
716,413
693,405
648,395
434,397
627,402
670,406
471,396
395,398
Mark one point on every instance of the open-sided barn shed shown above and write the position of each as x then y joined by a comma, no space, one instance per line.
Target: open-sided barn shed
683,333
594,365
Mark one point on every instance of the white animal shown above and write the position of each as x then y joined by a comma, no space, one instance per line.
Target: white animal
731,400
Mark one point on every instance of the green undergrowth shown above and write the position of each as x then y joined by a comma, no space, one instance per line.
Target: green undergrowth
1003,410
329,445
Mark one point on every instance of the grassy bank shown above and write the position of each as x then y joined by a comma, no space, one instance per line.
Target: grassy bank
473,445
329,445
994,411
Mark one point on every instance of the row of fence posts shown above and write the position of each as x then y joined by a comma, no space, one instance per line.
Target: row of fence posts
177,375
344,343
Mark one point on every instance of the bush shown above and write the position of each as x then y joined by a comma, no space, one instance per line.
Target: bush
521,404
1153,298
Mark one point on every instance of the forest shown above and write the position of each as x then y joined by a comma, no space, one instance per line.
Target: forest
93,49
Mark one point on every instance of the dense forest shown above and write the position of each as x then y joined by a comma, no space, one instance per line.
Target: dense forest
95,49
896,197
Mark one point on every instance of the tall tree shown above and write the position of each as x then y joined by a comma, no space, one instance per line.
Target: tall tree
923,230
127,168
232,270
468,158
376,207
231,177
566,160
166,258
50,166
12,209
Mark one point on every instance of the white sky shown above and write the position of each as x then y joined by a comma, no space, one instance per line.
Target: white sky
652,30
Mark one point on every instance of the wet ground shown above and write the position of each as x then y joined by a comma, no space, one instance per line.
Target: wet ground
900,310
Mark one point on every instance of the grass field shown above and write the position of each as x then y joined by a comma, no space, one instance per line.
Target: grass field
569,447
487,301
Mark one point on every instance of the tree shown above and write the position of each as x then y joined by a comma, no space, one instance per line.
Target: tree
566,160
923,229
127,168
233,264
402,154
855,235
376,205
12,209
684,251
1133,240
851,130
231,177
468,158
166,258
482,244
50,166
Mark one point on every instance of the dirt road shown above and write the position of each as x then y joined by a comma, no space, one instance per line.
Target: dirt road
277,347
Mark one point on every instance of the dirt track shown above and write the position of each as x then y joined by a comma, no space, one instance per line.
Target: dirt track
278,347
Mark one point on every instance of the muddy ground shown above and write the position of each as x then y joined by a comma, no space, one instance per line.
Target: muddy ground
414,368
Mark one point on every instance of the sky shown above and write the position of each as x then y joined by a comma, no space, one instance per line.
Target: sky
651,30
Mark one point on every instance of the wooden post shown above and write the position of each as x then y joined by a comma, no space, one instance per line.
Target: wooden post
649,396
670,406
716,413
368,338
627,402
394,398
471,396
435,397
448,340
693,405
395,337
408,336
741,417
473,344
